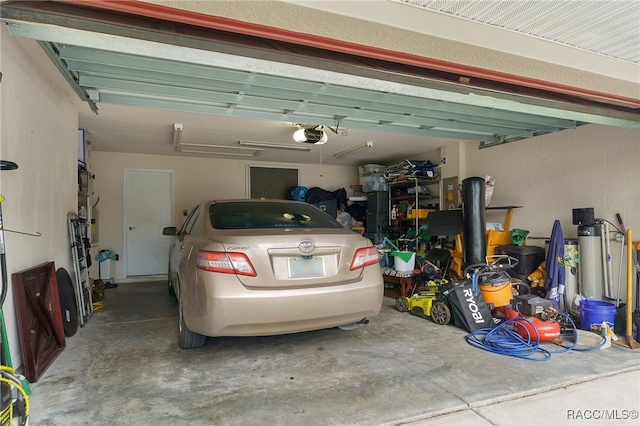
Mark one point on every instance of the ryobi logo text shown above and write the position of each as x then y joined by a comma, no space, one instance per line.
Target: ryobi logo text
473,307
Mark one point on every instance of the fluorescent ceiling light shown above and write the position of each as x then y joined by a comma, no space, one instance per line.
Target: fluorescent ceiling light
219,150
257,144
231,154
350,151
206,145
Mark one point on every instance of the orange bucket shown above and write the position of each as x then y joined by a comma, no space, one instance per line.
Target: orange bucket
498,295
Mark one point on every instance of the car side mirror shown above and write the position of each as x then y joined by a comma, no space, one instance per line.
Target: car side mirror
170,230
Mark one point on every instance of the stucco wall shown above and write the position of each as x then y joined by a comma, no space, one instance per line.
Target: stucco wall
38,131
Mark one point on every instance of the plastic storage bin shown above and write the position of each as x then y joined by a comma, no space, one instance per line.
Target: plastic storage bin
420,213
422,190
529,258
373,168
374,182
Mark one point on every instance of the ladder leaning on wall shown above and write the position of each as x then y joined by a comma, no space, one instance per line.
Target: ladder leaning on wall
78,227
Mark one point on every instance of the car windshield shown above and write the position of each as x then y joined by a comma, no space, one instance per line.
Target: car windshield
248,215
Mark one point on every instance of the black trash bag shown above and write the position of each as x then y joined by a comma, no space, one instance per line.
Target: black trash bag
469,311
316,195
357,211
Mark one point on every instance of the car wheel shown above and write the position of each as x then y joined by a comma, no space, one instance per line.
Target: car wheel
402,304
187,339
440,313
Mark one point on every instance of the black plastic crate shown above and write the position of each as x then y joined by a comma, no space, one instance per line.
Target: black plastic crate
529,258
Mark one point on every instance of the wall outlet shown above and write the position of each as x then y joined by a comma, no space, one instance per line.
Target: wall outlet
619,237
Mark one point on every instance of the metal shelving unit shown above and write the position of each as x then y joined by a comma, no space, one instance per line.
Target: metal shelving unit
398,195
80,236
85,211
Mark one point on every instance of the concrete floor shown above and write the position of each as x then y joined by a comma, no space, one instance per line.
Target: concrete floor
125,368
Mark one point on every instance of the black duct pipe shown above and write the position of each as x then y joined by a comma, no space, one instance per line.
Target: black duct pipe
474,225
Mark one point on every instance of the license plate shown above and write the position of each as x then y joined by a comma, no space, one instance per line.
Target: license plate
306,267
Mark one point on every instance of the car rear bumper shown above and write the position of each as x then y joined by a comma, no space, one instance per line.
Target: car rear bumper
230,309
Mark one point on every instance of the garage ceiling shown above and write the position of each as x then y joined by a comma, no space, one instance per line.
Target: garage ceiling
603,27
122,70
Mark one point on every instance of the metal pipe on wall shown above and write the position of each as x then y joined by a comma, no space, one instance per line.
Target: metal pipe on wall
606,261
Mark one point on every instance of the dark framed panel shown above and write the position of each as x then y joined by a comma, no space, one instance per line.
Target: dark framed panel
35,292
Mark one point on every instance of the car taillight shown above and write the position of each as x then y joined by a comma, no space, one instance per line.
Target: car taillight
224,262
364,257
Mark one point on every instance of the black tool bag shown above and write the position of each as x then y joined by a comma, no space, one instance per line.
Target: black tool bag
469,310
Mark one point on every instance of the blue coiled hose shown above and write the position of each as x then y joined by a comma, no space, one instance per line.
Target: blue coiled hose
503,340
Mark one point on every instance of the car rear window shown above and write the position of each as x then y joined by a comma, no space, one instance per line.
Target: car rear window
247,215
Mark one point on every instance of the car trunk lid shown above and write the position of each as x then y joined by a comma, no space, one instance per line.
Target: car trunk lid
296,258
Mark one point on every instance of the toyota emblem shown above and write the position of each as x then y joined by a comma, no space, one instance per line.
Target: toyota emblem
306,246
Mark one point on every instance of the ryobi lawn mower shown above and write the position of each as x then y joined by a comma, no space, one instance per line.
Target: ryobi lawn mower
428,302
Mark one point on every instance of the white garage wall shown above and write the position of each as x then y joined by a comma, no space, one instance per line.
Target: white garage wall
195,179
38,131
591,166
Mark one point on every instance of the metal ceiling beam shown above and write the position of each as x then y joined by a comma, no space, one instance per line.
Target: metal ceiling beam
187,94
87,61
203,108
334,95
52,53
424,107
81,60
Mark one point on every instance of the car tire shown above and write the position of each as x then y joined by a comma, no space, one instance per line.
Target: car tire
187,339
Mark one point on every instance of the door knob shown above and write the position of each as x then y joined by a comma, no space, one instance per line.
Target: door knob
131,228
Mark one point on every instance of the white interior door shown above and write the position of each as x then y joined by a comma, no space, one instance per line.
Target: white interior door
148,209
